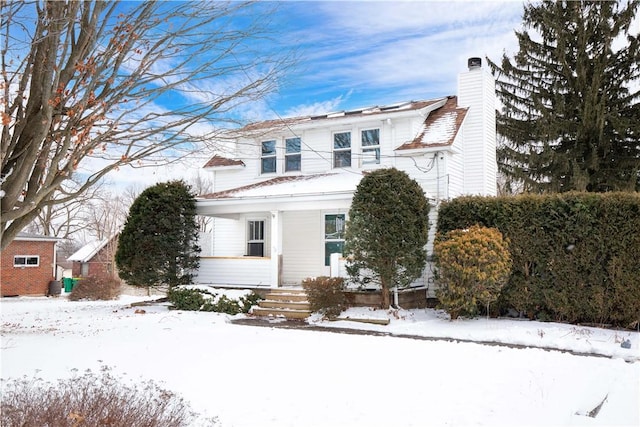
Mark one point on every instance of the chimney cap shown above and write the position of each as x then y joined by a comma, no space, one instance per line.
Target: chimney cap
474,62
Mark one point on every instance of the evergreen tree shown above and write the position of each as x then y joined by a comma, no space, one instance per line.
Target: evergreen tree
387,230
571,103
159,242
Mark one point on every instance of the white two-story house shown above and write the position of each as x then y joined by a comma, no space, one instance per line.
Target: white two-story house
281,201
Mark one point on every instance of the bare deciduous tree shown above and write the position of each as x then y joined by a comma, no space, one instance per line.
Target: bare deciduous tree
202,185
92,86
106,214
65,219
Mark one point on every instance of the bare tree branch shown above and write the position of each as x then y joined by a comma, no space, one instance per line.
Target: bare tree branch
86,85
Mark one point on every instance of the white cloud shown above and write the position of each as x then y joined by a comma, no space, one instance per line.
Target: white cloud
316,107
394,51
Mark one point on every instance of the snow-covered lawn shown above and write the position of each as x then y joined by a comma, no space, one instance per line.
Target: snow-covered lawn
270,376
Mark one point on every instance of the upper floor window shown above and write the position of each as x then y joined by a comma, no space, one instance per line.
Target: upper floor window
26,261
371,146
341,149
292,157
268,157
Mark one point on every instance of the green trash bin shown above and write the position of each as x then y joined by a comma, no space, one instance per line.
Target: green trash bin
68,284
74,282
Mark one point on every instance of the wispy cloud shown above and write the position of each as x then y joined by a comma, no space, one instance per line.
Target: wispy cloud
390,51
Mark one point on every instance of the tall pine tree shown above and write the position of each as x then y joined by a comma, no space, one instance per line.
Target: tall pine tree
159,242
571,99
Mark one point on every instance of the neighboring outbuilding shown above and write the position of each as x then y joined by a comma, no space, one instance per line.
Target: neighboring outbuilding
28,265
282,194
95,259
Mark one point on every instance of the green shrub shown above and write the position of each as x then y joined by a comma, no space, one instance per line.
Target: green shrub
187,299
472,267
95,288
325,294
223,304
92,400
190,299
574,254
248,301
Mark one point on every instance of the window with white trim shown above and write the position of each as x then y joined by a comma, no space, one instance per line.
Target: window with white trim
370,146
26,261
334,225
255,238
268,157
292,156
342,149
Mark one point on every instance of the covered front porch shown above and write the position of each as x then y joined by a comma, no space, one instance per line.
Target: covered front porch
277,233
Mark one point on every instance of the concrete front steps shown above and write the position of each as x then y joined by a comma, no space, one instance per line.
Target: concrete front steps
290,303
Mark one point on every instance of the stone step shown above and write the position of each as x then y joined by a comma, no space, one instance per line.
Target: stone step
288,291
280,312
286,296
294,305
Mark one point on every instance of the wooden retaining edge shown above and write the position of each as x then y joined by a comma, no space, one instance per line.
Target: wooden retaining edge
362,320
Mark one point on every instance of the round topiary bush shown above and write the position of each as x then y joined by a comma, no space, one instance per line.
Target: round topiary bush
472,267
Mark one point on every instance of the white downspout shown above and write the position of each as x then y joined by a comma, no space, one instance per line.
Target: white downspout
55,261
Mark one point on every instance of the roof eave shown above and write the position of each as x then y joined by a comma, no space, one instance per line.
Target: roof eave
432,148
223,167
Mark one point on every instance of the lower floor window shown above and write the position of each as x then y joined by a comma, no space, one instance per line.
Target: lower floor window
255,238
26,261
334,226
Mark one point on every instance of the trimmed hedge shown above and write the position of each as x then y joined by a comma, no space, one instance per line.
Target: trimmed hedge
575,255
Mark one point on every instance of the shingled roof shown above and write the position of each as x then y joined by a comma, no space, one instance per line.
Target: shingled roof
367,111
291,185
219,161
440,127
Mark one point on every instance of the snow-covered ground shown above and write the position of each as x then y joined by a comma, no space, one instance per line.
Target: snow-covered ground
270,376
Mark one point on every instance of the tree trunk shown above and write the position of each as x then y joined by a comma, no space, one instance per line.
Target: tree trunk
385,299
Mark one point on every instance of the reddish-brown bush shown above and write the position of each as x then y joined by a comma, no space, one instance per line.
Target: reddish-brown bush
325,294
95,288
92,400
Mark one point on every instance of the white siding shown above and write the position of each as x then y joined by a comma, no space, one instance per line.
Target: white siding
231,235
455,168
302,246
477,91
234,271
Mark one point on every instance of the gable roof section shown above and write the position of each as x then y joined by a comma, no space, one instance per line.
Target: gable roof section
440,127
259,129
360,112
223,162
88,251
295,185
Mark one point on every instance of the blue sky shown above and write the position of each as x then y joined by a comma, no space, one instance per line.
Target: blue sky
355,54
362,53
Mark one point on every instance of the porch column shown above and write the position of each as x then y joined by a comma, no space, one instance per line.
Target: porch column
276,248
